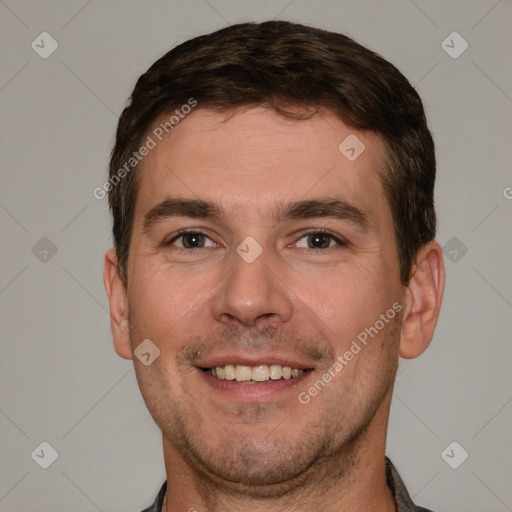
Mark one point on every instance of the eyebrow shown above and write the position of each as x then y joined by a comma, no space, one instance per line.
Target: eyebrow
334,208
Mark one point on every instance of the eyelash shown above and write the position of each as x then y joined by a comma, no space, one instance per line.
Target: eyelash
339,241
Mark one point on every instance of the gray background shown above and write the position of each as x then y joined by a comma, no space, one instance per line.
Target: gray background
60,379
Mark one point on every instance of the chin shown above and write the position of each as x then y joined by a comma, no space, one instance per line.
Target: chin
267,461
269,464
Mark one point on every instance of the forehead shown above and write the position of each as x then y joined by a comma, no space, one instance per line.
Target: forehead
250,159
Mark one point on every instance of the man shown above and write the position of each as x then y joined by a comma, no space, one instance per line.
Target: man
272,193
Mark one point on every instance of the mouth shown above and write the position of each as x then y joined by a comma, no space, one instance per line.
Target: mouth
263,378
261,373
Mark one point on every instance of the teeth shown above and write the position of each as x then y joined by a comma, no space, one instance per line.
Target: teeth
229,372
275,371
242,373
260,373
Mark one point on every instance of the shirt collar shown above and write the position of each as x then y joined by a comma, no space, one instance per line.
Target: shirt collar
403,500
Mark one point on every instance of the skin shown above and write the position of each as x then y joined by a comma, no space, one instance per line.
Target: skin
223,449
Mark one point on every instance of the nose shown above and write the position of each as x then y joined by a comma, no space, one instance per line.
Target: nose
252,293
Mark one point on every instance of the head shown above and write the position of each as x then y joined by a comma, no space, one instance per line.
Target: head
295,254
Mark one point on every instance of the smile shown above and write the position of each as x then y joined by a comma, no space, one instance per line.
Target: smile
250,374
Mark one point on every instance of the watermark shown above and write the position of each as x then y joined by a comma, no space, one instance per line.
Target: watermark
507,192
44,45
454,45
44,455
44,250
455,249
454,455
351,147
149,143
249,249
370,332
146,352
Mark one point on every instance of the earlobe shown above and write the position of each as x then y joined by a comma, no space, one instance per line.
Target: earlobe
423,300
118,303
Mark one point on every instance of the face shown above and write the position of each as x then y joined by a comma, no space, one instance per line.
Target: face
259,247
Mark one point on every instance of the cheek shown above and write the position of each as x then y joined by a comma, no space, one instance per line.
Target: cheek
162,302
344,302
151,304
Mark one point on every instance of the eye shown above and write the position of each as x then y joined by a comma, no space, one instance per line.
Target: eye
191,240
319,240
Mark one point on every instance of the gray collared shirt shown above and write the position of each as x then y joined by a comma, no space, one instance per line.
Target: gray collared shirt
403,500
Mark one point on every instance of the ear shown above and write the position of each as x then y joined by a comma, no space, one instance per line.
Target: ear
423,299
118,303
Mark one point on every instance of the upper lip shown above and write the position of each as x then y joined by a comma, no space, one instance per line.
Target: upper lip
252,360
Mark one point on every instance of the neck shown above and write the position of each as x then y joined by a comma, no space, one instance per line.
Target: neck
352,479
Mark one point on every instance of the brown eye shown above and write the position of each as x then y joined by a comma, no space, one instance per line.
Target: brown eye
319,240
191,240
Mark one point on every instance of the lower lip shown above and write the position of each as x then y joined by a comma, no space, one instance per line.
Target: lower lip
250,392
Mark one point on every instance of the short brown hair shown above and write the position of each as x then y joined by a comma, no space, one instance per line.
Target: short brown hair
280,64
